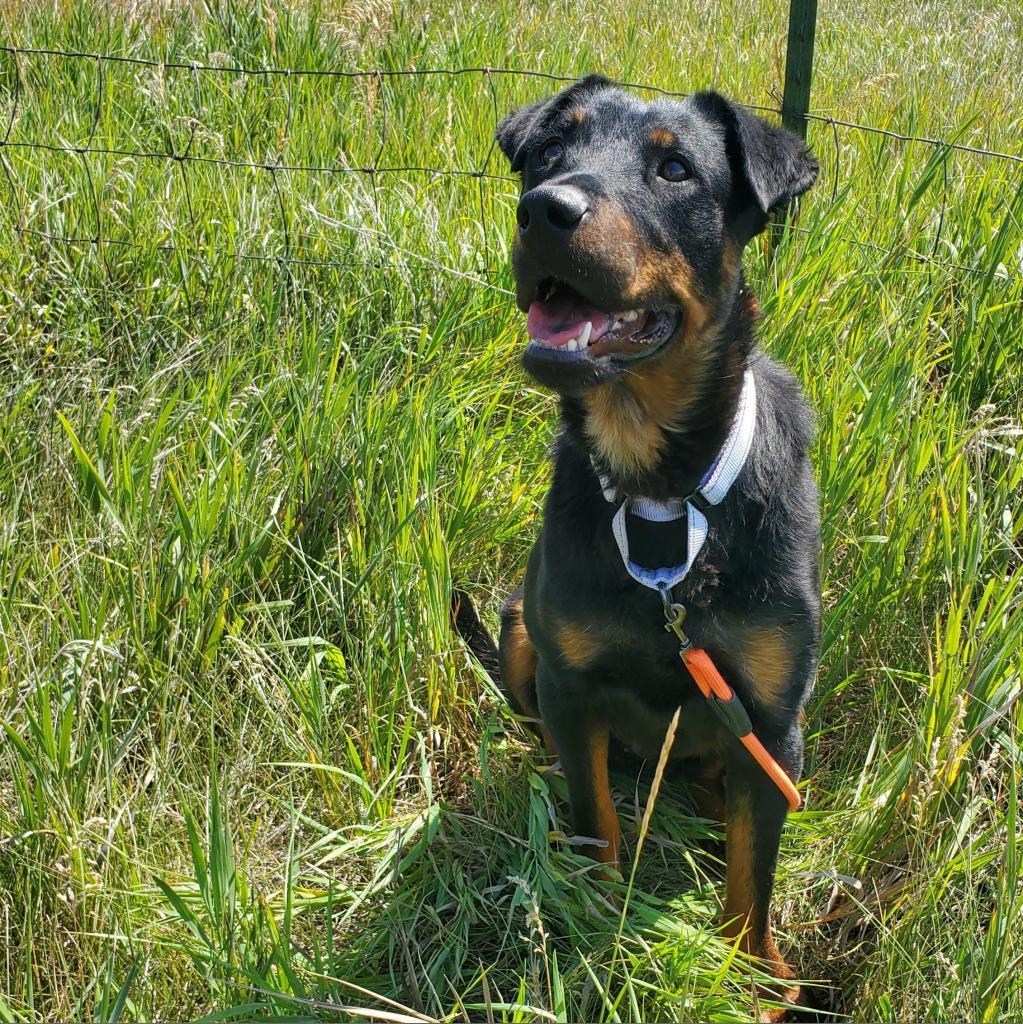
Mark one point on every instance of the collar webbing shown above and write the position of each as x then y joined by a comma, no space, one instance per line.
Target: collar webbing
710,491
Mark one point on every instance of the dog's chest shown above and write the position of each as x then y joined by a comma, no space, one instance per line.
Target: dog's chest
601,630
641,725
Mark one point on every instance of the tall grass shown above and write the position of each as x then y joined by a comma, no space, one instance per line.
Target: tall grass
246,769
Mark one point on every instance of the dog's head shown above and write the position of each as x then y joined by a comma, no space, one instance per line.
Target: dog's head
632,221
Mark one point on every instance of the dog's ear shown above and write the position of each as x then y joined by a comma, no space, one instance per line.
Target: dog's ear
773,165
515,128
519,129
778,165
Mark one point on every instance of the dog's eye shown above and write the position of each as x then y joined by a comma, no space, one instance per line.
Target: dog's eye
551,153
674,169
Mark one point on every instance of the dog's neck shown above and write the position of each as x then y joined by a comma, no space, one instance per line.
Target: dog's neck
656,435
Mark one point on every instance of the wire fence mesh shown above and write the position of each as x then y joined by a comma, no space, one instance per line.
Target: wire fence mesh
183,148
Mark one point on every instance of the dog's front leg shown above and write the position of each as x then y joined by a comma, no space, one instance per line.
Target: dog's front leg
581,739
755,814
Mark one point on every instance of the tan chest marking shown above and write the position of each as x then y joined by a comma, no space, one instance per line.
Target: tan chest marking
768,659
578,644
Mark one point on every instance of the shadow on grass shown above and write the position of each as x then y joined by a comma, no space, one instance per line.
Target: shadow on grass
488,913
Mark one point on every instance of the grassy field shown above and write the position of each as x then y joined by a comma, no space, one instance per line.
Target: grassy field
245,768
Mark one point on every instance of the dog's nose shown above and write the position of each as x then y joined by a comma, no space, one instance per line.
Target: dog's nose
551,212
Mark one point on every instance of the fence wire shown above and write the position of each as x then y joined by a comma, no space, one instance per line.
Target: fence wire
372,170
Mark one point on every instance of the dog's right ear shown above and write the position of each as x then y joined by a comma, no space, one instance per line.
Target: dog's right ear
520,129
515,128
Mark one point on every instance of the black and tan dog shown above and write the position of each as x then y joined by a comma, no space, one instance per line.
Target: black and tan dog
628,260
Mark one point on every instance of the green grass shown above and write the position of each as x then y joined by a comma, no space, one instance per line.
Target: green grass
246,769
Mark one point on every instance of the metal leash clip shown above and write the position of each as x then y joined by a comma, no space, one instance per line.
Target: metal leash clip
674,617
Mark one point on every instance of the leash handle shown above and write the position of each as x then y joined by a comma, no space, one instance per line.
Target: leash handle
731,712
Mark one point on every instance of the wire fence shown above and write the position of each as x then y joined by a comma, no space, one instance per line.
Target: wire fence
373,170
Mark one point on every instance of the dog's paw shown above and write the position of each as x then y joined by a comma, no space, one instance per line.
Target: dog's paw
806,1006
792,994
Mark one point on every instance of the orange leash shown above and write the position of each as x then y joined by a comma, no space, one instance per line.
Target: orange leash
725,703
733,714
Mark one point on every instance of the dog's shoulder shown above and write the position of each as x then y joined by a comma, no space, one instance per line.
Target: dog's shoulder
784,434
777,520
783,410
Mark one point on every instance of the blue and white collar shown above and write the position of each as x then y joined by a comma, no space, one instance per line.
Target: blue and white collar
711,490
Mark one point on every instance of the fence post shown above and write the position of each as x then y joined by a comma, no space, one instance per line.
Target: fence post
795,101
799,65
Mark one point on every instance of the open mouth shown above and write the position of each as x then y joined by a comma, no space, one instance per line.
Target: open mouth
563,324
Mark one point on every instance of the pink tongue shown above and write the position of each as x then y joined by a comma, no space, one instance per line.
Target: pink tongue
559,320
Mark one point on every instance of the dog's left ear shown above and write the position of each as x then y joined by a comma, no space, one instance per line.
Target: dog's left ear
774,165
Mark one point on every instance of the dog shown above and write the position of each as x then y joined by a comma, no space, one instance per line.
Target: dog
627,259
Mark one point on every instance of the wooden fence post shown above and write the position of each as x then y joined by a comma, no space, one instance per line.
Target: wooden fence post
795,101
799,65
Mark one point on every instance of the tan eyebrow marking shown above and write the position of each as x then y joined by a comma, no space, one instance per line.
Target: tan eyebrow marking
662,137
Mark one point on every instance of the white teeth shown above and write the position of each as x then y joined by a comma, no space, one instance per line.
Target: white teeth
584,334
630,315
571,346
